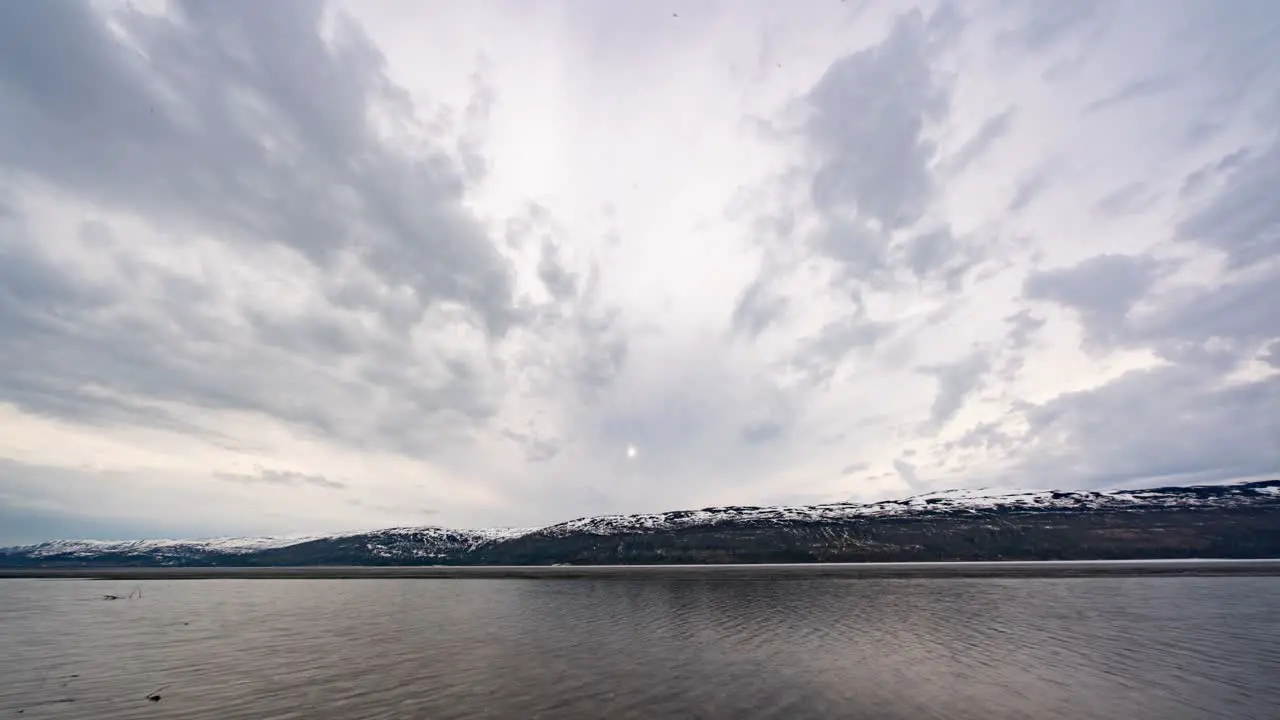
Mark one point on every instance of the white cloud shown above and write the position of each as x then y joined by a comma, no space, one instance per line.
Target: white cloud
283,267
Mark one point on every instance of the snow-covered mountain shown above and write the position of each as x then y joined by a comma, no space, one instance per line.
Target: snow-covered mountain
405,542
974,502
158,548
1166,521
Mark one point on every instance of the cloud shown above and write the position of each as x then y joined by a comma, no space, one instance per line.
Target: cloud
757,309
1137,90
907,472
1271,355
266,476
1238,220
537,449
1148,425
1031,186
855,468
1225,324
869,111
1196,181
561,283
763,432
1024,327
992,129
461,259
955,382
1101,289
271,140
927,252
244,124
1131,198
1041,24
821,355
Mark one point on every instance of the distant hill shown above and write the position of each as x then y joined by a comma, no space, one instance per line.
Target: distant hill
1203,521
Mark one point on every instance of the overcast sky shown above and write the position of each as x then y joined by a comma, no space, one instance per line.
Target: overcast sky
281,267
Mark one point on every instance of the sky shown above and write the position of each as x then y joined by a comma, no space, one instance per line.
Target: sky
291,267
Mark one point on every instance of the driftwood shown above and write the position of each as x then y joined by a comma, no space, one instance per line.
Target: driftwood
136,592
154,695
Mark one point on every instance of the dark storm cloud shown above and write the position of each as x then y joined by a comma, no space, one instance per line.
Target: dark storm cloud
238,120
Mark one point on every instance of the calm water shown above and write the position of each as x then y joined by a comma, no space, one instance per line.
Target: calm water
1130,648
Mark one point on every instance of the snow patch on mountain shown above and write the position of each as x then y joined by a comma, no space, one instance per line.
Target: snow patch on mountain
428,542
389,540
226,545
948,502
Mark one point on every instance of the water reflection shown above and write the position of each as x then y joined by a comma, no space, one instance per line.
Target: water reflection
1131,648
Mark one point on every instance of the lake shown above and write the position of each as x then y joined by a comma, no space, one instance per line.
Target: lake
697,645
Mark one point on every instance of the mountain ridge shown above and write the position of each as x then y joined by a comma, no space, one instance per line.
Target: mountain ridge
1169,521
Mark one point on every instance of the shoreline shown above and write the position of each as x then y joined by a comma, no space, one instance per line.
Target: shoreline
802,571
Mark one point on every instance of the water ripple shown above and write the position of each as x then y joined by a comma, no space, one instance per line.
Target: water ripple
1131,648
